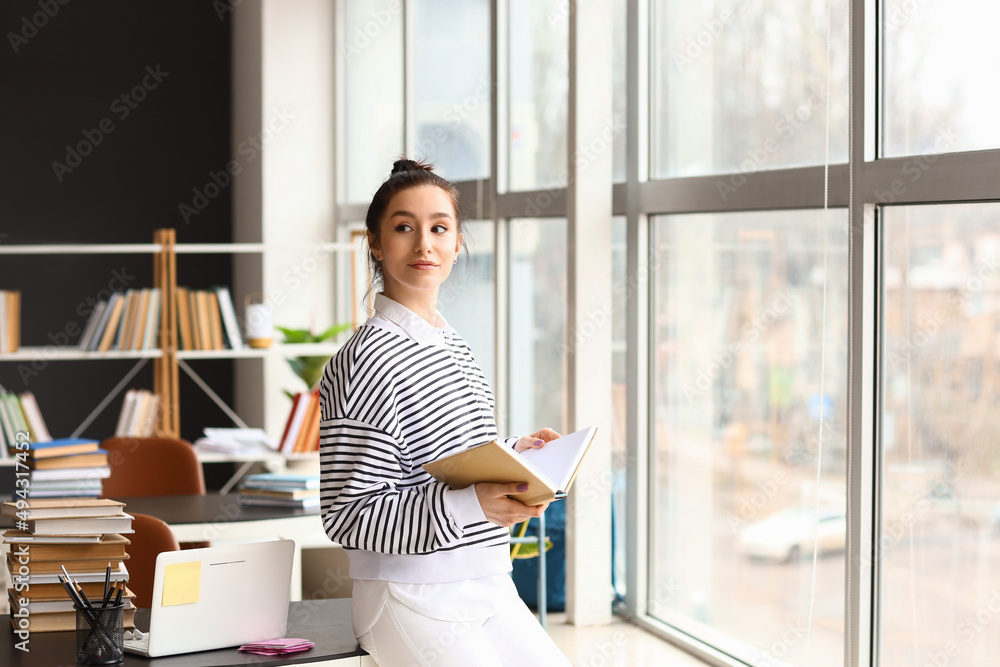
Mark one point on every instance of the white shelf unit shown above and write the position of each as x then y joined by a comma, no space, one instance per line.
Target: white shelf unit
274,354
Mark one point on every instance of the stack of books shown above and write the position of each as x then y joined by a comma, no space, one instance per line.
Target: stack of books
126,321
66,467
10,320
280,490
137,418
19,413
83,535
301,434
206,320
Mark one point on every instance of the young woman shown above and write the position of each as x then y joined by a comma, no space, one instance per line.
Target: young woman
430,563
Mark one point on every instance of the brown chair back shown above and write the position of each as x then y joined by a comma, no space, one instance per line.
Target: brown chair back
152,467
151,537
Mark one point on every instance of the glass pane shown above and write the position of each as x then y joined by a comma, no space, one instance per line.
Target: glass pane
537,325
539,86
619,94
742,416
373,94
741,86
451,82
622,289
936,67
466,299
940,560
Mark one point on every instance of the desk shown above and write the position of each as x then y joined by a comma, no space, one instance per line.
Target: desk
325,622
216,517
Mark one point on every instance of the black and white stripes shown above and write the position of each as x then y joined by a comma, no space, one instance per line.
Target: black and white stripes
388,405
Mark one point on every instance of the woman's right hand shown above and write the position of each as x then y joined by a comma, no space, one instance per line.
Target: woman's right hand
502,510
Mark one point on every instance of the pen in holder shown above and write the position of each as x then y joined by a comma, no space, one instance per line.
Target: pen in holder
100,634
259,325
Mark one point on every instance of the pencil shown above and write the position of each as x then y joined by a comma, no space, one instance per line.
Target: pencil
120,585
107,586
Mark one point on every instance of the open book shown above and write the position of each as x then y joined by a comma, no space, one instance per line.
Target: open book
549,471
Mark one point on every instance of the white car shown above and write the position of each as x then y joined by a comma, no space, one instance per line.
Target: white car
789,533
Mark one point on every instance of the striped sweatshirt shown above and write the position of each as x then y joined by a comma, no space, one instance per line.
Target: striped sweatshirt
398,394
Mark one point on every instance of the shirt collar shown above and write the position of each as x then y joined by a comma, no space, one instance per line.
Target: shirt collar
412,324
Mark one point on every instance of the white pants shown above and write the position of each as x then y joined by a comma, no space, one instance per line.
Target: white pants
436,626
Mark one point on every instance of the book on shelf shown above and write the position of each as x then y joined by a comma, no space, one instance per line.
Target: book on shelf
127,322
230,323
70,473
94,459
61,621
19,413
283,494
46,508
137,418
80,525
306,439
10,320
108,546
278,481
61,447
111,325
41,605
74,566
303,503
548,471
151,338
184,340
235,441
16,536
215,320
69,488
300,403
91,326
33,416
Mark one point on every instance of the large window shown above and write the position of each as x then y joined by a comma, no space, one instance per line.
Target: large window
941,505
936,66
747,402
742,86
452,91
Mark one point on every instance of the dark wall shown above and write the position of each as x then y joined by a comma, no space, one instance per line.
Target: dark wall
111,114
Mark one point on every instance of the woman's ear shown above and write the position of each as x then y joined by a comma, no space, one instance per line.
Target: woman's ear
372,242
458,244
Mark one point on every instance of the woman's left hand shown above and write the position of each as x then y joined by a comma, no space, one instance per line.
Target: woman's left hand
536,440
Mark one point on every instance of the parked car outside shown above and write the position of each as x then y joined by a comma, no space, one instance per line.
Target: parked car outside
789,533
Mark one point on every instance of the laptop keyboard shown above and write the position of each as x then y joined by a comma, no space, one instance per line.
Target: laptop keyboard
138,642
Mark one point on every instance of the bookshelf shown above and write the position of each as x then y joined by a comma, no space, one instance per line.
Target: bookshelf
168,361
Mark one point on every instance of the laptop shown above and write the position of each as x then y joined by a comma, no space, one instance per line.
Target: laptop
217,597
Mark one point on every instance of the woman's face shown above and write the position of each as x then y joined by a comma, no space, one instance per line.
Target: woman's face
418,243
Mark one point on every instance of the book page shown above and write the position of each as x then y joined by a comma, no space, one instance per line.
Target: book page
559,458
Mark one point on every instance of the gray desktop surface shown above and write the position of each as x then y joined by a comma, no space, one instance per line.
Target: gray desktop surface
327,623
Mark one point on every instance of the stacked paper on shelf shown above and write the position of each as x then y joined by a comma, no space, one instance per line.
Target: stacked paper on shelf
53,534
280,490
236,441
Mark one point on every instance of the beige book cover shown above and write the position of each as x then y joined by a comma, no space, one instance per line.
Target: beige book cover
549,471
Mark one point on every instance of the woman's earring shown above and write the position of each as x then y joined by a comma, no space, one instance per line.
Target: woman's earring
455,261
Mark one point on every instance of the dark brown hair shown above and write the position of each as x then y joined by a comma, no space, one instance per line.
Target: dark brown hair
405,174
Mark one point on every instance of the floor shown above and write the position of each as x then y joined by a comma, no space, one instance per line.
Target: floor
617,645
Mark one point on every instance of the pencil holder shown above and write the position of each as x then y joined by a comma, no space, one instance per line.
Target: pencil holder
100,635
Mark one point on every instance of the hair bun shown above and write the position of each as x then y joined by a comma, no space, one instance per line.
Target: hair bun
404,164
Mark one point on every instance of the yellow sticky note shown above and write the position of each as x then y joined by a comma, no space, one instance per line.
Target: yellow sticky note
181,583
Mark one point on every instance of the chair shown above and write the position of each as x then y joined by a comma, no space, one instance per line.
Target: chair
151,537
152,467
143,467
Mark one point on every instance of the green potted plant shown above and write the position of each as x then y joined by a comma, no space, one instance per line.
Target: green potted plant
309,368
